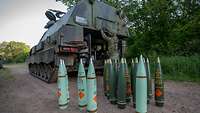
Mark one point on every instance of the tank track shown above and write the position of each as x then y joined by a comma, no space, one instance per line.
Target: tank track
45,72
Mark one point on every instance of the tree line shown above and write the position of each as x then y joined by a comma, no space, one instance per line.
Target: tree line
160,27
13,52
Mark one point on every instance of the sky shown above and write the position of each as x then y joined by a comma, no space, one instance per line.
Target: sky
24,20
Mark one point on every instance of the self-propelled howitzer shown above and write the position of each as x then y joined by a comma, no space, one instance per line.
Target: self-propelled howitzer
90,29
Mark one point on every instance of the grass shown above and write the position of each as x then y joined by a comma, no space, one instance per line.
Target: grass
5,74
183,77
180,68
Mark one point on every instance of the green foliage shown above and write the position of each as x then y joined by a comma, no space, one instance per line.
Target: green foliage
14,51
179,68
5,74
69,3
182,65
182,77
163,27
114,3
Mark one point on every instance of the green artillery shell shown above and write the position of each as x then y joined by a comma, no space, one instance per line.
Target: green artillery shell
128,83
121,92
149,80
82,87
159,86
62,87
112,84
105,77
116,72
133,79
145,65
92,89
67,81
141,88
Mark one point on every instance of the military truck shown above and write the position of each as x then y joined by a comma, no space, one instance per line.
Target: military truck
90,29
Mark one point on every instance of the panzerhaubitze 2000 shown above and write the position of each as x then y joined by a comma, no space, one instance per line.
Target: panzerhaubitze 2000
90,29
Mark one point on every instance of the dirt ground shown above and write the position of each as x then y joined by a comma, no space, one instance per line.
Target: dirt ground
22,93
